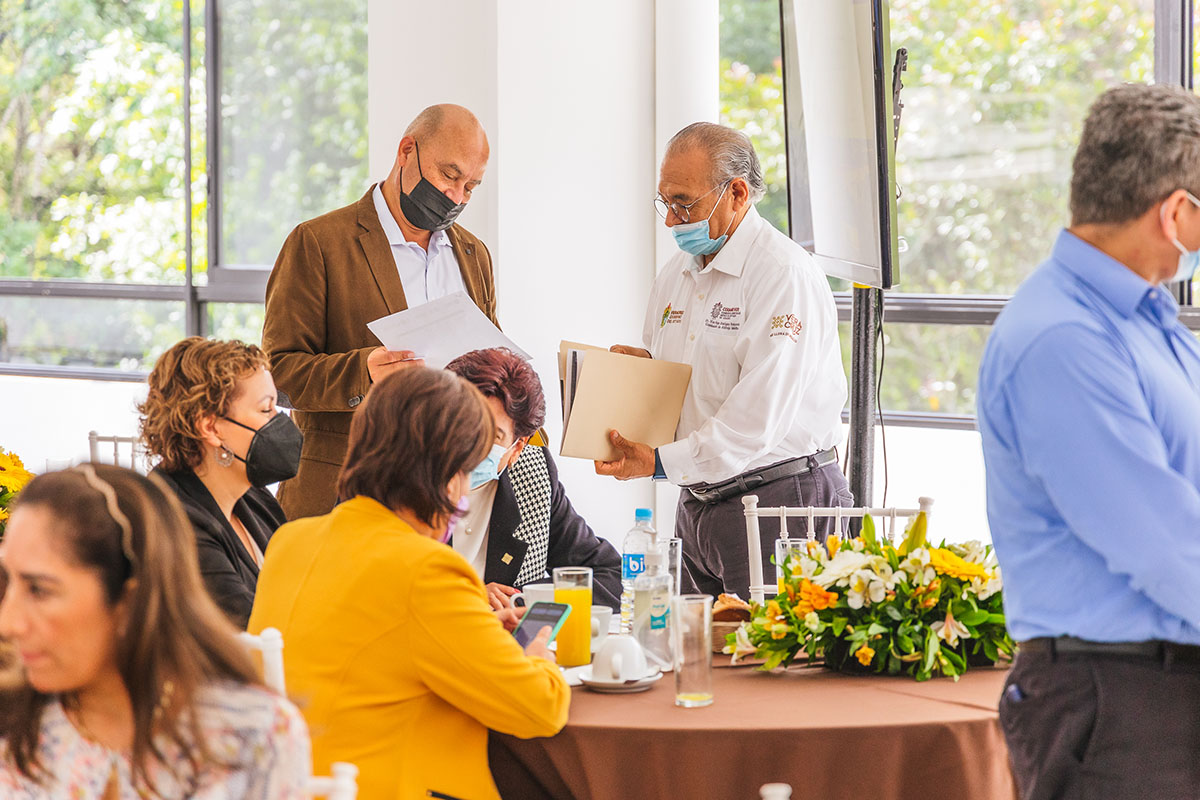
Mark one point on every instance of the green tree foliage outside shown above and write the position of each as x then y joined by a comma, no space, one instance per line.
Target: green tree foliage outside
994,96
92,156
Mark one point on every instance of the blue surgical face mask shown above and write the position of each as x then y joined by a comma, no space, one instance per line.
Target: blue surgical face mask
1188,259
489,468
692,237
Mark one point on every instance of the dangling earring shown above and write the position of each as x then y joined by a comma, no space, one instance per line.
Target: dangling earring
224,456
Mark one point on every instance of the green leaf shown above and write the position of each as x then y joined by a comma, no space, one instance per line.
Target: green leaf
893,612
974,618
932,647
905,642
775,659
868,532
838,625
876,629
996,619
914,534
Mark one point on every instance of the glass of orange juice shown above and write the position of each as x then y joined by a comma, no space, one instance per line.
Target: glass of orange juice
573,586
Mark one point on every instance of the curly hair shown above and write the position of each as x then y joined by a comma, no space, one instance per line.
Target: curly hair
195,377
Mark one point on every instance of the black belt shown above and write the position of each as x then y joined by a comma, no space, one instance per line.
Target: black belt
748,481
1165,653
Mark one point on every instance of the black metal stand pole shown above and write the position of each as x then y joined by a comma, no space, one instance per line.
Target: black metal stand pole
862,395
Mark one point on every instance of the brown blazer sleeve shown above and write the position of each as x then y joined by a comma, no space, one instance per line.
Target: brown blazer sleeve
294,331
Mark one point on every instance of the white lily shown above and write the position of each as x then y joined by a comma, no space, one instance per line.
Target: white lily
840,567
985,588
950,630
741,647
812,621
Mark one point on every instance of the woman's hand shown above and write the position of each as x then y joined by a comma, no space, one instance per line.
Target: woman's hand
500,595
538,647
509,617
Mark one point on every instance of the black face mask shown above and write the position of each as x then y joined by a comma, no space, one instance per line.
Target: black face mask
426,207
274,453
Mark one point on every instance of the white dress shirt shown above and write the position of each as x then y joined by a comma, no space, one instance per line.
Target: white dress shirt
759,327
471,531
425,274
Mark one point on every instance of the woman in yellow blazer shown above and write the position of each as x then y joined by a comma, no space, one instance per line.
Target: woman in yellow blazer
391,649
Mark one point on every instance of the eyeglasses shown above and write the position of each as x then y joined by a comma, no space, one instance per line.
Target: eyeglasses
683,212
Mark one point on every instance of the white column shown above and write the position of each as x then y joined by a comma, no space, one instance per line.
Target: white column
686,90
422,53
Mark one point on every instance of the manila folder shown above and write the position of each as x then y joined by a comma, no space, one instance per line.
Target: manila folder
640,397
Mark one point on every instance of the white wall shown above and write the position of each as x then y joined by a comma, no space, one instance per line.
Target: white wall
420,53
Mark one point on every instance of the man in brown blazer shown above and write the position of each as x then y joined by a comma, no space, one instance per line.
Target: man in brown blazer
395,248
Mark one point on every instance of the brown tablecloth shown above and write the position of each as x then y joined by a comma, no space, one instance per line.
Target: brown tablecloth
828,735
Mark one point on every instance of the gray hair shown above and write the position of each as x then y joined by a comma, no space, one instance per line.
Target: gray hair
730,151
1140,143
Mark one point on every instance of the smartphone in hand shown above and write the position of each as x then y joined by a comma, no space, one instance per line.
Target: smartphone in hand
539,616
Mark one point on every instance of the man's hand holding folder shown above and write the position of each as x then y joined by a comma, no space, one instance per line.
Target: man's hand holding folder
619,404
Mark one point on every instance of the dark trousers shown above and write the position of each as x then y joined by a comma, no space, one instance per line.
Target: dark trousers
1085,726
715,557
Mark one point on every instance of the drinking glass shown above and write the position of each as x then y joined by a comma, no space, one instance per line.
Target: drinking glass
783,549
573,586
675,564
693,650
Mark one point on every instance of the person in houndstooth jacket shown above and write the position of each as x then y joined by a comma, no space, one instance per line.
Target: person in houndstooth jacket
521,525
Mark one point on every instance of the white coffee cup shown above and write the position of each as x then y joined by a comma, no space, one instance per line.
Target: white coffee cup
601,619
535,593
620,658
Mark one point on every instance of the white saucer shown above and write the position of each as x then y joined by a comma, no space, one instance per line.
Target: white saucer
618,687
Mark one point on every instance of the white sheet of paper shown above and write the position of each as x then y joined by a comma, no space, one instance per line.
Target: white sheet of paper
441,330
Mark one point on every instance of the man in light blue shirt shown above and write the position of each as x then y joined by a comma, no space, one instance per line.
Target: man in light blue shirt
1089,410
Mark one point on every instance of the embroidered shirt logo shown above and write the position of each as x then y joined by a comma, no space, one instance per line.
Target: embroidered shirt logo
724,318
670,316
786,325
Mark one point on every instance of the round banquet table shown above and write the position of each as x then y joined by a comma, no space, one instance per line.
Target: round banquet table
829,735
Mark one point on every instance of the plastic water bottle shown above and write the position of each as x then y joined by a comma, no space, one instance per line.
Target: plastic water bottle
633,561
652,607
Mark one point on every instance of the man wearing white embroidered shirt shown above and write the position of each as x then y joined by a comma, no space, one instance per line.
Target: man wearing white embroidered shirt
752,313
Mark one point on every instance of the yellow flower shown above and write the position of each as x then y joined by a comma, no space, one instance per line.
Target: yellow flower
952,564
774,612
13,475
779,630
3,514
864,655
833,543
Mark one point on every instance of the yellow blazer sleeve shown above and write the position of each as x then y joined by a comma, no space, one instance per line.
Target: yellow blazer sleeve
464,655
294,332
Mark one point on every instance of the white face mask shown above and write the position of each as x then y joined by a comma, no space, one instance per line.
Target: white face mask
1188,259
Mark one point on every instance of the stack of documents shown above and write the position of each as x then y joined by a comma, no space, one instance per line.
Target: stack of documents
602,391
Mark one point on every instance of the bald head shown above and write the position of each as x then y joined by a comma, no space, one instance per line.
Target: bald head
450,121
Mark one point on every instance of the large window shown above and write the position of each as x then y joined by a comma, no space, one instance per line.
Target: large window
994,98
129,218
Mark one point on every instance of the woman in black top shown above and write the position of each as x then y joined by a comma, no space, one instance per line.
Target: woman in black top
211,420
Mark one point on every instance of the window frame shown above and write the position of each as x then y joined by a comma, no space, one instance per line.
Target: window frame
225,284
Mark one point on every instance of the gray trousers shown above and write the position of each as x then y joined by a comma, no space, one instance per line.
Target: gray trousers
715,558
1087,727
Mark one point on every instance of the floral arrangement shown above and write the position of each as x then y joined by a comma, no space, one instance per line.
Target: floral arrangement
13,477
864,604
